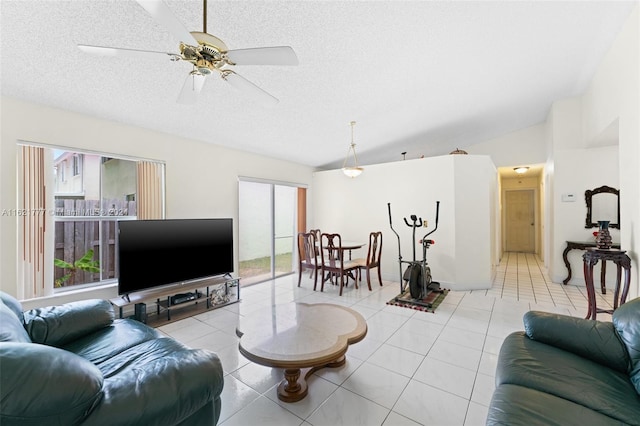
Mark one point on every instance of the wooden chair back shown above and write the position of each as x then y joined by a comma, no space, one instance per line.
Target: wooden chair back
330,250
333,262
308,256
307,248
318,234
375,249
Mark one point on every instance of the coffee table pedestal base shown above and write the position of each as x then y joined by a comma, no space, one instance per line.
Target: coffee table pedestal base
294,386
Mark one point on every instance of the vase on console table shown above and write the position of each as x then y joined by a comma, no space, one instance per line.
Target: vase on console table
603,240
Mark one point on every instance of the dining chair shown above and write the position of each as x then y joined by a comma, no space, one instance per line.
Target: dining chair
317,233
333,260
308,256
373,258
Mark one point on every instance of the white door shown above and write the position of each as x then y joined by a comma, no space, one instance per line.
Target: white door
520,221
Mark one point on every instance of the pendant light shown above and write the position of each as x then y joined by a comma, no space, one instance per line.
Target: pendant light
351,171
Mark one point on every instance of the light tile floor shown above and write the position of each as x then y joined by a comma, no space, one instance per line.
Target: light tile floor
412,367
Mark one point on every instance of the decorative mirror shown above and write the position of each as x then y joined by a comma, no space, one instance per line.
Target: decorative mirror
603,203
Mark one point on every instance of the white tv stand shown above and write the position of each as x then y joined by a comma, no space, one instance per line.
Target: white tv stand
219,291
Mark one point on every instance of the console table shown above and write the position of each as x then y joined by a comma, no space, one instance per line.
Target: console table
583,245
591,257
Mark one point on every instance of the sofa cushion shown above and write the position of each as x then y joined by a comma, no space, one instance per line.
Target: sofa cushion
11,328
516,405
158,382
548,369
44,385
103,344
13,304
626,320
57,325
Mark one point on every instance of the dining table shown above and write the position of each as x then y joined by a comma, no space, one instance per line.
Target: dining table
347,246
350,246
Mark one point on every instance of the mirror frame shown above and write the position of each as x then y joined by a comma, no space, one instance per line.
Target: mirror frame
589,193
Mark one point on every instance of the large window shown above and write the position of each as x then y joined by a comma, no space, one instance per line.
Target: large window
87,208
84,195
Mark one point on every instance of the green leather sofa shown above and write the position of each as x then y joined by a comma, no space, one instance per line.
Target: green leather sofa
564,370
75,364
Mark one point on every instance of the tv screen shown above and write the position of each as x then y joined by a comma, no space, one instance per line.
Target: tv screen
160,252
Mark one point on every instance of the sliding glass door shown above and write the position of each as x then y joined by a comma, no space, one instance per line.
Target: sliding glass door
266,228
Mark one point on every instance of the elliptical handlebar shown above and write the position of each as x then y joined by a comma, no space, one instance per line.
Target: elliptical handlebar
394,231
437,215
417,222
399,252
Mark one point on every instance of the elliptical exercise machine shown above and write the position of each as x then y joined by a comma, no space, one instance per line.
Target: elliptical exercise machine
417,276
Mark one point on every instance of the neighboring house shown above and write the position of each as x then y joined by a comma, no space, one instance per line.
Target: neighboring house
76,175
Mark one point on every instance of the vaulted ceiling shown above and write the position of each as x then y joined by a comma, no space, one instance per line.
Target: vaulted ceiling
421,77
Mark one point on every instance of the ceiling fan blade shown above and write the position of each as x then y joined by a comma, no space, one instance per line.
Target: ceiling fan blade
277,55
249,88
191,88
165,17
119,51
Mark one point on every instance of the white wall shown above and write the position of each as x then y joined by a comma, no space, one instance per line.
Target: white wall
525,146
211,192
597,167
613,95
464,254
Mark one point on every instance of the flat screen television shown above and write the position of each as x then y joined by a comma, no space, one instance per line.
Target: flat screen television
154,253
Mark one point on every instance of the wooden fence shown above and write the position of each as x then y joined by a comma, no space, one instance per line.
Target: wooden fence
73,238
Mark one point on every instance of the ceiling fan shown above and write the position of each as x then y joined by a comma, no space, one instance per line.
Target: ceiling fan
207,53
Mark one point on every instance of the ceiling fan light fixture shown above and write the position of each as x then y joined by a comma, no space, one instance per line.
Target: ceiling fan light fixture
355,170
203,69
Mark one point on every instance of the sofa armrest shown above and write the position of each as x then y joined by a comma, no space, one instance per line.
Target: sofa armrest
159,382
46,385
57,325
594,340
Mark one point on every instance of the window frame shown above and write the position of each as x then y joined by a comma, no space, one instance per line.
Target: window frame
103,216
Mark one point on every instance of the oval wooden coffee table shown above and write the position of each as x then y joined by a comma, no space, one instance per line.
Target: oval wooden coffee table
301,338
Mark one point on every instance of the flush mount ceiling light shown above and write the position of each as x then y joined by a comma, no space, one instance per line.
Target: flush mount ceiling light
521,170
351,171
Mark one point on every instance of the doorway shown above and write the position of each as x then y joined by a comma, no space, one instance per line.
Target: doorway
267,217
520,221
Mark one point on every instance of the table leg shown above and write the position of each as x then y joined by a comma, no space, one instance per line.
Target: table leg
603,277
616,292
567,264
291,389
591,294
627,281
626,265
294,386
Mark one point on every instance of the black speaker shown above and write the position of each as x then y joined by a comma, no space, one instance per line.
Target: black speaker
141,312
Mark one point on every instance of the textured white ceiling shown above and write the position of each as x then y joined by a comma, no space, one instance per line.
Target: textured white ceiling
423,77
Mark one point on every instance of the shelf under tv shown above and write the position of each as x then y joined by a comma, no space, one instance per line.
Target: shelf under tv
218,291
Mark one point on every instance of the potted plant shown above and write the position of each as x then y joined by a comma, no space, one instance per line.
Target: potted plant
85,263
